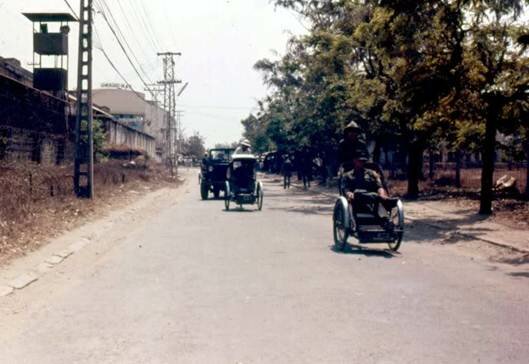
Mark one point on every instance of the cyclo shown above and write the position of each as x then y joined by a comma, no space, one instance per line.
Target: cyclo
242,186
368,218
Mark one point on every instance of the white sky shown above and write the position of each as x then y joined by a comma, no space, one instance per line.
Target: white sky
220,41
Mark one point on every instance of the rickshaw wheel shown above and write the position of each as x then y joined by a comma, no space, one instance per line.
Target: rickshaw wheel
340,232
260,197
397,219
204,191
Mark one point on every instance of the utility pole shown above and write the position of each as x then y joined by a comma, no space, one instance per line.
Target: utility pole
84,138
169,104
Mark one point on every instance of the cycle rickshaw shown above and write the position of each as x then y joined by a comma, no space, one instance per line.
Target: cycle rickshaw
368,218
242,186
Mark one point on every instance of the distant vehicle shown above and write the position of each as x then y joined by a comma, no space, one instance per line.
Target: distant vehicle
271,162
242,186
213,171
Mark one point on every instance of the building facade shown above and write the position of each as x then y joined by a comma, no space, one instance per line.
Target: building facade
132,109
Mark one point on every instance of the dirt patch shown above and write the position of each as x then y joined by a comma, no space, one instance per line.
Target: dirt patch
509,211
37,203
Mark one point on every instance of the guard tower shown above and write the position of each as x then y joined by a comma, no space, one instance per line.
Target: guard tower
50,51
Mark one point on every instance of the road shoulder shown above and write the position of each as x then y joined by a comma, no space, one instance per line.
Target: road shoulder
99,233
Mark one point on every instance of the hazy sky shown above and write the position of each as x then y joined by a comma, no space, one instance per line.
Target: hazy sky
220,41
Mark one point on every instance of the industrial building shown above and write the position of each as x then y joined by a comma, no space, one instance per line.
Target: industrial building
132,109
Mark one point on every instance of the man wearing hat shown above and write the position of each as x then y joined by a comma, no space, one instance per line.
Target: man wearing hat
352,143
244,147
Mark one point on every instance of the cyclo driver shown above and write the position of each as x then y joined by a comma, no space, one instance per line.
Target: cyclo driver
365,191
245,147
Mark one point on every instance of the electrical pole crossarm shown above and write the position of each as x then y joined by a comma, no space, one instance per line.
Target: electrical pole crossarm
169,53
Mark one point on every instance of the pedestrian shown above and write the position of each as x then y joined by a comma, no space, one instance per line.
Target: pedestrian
306,169
287,172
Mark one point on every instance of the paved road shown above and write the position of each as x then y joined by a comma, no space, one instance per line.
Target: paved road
192,283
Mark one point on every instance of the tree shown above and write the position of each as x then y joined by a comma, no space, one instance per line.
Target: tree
255,132
231,145
194,146
499,65
413,73
99,137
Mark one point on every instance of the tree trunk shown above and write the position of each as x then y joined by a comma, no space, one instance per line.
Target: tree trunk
376,152
527,167
414,169
458,169
487,172
431,165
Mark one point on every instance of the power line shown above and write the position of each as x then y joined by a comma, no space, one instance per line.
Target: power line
234,108
102,6
146,23
123,49
118,72
72,10
133,31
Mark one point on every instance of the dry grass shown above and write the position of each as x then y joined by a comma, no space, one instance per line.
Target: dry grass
38,202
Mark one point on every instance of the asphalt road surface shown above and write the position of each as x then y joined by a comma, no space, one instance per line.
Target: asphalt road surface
191,283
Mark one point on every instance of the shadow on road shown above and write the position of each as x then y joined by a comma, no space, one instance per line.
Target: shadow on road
427,230
240,210
353,249
520,274
516,260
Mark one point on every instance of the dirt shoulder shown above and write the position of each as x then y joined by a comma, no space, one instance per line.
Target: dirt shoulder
28,223
510,212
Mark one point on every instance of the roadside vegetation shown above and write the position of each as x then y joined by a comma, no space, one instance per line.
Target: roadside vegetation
418,76
38,201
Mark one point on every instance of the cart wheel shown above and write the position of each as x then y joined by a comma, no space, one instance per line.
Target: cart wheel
204,191
340,225
397,219
260,196
227,197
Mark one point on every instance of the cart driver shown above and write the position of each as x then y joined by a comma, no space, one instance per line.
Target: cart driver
244,147
373,196
360,178
352,142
